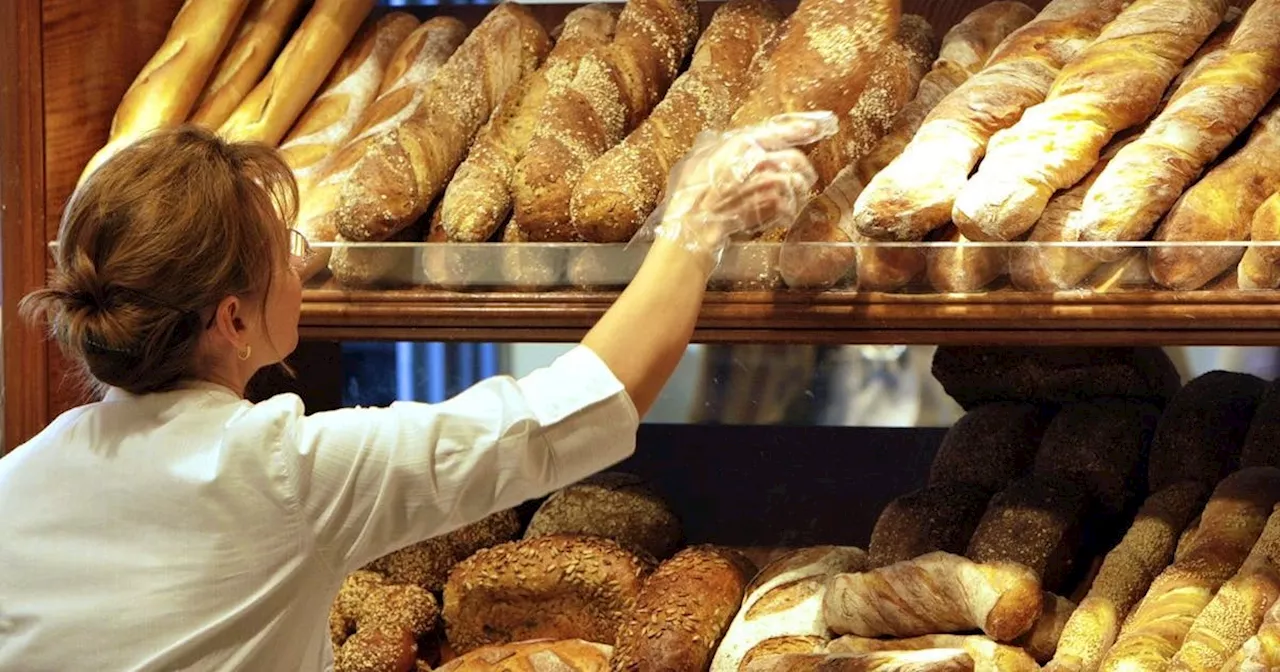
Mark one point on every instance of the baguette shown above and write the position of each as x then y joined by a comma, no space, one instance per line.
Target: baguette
1230,525
168,86
987,655
410,67
1260,267
962,267
783,606
1126,574
270,110
932,660
261,34
478,198
619,190
915,193
682,612
613,90
1261,653
965,50
821,60
900,65
1115,84
1041,642
1214,105
1237,611
413,139
330,119
1220,207
935,594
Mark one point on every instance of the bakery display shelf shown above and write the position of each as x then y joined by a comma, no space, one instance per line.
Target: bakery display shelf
549,292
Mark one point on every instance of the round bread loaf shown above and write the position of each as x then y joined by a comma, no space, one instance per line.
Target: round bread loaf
573,655
615,506
375,626
939,517
428,563
556,587
990,446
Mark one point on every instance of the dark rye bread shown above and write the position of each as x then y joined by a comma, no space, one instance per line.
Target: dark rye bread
1102,445
1036,522
557,587
615,506
683,611
990,445
1262,443
1203,429
974,376
939,517
428,563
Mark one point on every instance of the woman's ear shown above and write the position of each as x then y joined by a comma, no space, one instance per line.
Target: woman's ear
228,321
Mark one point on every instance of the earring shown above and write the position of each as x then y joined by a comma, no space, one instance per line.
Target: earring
244,354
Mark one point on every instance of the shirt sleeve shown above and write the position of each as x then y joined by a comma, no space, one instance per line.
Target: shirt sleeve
373,480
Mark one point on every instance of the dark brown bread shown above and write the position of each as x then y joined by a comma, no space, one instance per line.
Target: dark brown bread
558,587
1202,431
428,563
976,375
1036,522
1262,443
613,505
683,611
1101,445
990,445
939,517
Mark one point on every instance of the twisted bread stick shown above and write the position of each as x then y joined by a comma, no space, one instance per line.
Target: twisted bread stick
1230,525
915,193
1115,84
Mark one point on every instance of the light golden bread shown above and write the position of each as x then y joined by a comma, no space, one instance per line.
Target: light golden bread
262,31
1260,267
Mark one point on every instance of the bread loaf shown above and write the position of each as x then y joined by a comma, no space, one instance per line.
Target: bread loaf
915,193
1089,104
1053,268
965,50
168,86
974,376
1214,105
1038,522
900,65
821,60
933,594
328,122
784,603
963,267
388,175
619,190
1262,651
358,265
1230,525
613,90
272,107
559,587
1260,266
1262,442
429,562
1202,431
1220,206
990,446
933,660
261,33
1236,611
478,199
805,263
682,612
403,80
375,624
573,655
1101,445
1041,642
987,655
939,517
1125,576
613,505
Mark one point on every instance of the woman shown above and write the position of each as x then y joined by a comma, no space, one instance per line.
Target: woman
175,525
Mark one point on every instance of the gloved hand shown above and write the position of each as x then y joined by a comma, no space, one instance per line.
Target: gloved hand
738,182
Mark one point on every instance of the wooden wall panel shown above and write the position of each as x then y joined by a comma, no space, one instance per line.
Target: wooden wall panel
21,216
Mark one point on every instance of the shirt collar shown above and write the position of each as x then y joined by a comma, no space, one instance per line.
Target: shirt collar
117,394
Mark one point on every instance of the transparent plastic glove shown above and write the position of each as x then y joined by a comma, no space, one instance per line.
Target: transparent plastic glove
738,182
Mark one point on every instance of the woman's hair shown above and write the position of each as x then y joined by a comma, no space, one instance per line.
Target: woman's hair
151,242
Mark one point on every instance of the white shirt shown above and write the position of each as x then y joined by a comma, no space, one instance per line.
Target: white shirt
193,530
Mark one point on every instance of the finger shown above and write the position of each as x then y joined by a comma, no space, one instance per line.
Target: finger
793,130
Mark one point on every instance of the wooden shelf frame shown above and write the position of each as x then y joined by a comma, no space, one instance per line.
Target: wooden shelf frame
64,65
